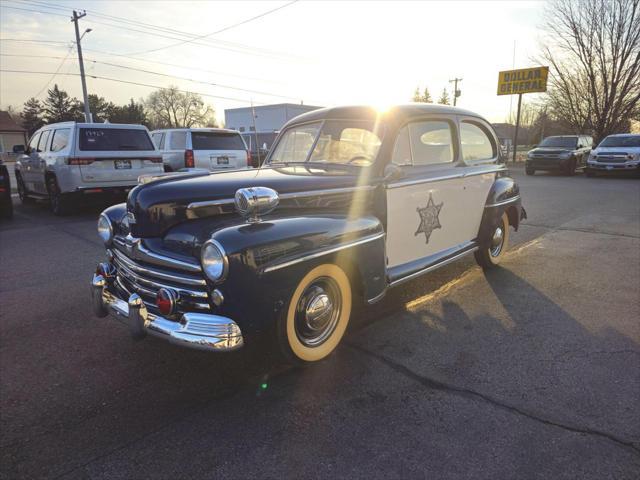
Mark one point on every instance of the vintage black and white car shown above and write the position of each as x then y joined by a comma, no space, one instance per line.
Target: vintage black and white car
350,203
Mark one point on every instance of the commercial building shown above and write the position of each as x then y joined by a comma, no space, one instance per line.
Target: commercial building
268,118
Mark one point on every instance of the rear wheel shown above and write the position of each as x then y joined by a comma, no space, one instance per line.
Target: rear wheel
490,256
59,202
6,210
317,315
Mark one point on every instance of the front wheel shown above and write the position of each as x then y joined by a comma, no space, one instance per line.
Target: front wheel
490,257
317,315
570,169
589,173
22,190
529,171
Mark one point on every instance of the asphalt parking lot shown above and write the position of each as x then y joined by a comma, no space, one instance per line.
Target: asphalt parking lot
529,371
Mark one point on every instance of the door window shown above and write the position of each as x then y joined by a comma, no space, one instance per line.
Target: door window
476,143
178,140
42,144
60,139
402,149
33,143
431,142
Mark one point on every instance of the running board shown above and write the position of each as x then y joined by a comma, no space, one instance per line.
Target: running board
408,271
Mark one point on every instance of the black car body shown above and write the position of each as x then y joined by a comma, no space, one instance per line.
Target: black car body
6,206
350,203
563,154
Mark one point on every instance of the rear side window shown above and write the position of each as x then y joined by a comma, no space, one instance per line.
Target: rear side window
60,139
178,140
44,138
431,142
114,139
476,144
158,140
216,141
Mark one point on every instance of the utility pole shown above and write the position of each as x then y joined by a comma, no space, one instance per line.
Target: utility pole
87,113
456,92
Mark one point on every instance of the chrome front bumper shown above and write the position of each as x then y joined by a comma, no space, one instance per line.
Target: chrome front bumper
194,330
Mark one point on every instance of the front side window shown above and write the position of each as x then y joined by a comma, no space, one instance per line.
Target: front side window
60,139
333,141
431,142
216,141
114,139
178,140
476,144
42,144
402,149
158,140
33,143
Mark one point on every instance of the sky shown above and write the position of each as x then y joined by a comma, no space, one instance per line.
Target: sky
319,52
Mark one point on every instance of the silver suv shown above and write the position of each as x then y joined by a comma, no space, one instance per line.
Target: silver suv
207,148
66,161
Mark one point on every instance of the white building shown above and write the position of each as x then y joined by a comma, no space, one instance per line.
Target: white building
268,118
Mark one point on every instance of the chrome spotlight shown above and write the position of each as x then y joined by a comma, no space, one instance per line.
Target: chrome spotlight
255,201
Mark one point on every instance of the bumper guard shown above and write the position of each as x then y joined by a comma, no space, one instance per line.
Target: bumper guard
194,330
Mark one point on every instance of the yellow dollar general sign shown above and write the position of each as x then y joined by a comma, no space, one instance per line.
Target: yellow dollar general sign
524,80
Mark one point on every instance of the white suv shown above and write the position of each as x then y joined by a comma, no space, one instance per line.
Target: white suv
66,161
207,148
616,153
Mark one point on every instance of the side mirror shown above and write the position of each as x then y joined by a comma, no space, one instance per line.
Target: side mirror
19,149
393,172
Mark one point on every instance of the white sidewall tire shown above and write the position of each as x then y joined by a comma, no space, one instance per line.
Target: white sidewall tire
505,243
313,354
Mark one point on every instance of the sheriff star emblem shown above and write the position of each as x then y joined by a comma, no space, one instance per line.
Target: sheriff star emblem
429,220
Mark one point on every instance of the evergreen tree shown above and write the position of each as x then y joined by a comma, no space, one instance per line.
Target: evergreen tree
100,109
131,113
444,98
59,107
416,95
426,98
31,115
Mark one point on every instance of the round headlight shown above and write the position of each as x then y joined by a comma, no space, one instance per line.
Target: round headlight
214,261
105,229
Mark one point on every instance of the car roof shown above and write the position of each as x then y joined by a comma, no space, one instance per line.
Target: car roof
624,135
395,112
190,129
93,125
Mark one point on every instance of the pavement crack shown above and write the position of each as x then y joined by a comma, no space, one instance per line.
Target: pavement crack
578,230
474,395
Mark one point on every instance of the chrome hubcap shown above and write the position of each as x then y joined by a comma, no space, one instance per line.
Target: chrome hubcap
496,242
317,312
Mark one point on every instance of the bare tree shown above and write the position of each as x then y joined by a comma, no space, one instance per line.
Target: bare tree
593,50
170,108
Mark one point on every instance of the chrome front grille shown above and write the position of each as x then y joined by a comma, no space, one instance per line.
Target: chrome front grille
141,273
611,158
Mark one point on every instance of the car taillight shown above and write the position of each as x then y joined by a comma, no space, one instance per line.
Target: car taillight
155,159
188,159
81,161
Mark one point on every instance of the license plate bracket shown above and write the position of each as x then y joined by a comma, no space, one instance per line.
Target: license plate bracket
122,164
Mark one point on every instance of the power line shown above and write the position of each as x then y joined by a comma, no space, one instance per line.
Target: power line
55,73
97,77
186,67
218,31
159,74
229,46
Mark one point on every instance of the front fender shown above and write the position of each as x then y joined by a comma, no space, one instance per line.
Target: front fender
504,196
268,259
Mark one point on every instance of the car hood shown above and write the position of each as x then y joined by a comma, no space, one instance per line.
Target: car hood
617,150
161,204
550,150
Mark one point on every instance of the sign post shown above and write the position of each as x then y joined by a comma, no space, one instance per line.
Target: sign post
524,80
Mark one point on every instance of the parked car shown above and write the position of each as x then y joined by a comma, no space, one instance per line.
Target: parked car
350,203
6,206
259,146
616,153
65,162
208,148
563,153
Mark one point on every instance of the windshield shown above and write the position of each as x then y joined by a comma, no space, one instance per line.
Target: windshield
565,142
629,141
114,139
333,141
216,141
